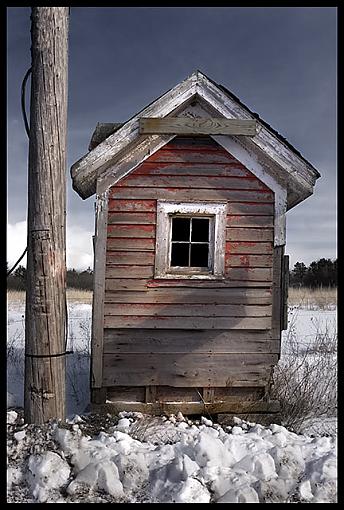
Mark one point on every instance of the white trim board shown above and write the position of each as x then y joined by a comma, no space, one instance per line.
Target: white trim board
163,236
301,176
250,161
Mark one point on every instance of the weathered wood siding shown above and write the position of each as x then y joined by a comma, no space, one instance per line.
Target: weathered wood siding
189,333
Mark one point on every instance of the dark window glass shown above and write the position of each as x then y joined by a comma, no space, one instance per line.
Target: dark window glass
199,255
180,229
180,254
200,229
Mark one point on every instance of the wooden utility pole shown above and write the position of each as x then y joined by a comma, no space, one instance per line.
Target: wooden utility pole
45,323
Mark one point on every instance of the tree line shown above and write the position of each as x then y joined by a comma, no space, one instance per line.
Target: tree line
75,279
320,273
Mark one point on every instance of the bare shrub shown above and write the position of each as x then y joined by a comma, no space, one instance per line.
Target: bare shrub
148,429
78,365
305,379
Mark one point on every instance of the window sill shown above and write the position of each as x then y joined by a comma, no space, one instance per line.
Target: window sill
178,276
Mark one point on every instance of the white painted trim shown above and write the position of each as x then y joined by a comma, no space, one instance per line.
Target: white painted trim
250,161
301,176
86,170
265,140
163,235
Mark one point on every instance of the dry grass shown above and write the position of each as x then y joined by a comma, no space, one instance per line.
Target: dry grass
324,299
73,295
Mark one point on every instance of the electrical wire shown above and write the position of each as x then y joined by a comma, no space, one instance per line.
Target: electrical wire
27,129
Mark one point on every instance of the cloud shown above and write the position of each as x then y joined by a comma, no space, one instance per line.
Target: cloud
79,248
16,242
79,245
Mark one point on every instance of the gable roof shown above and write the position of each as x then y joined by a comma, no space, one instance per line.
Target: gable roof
111,142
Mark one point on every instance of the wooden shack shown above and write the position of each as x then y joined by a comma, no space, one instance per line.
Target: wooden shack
190,275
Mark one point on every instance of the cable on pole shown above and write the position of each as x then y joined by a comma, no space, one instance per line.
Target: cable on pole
15,265
27,129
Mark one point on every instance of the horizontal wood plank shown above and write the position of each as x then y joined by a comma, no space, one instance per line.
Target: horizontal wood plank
117,205
233,169
118,284
138,258
172,310
193,155
208,182
187,370
254,221
194,296
126,393
185,341
123,271
249,234
255,412
130,244
262,274
197,126
253,208
181,322
181,194
131,218
248,248
171,394
133,231
248,260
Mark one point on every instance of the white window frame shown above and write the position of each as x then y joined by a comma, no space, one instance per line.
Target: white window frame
217,241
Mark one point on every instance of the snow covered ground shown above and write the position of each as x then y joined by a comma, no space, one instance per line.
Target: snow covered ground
144,459
141,459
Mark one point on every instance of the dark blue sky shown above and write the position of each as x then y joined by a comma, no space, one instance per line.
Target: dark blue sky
281,62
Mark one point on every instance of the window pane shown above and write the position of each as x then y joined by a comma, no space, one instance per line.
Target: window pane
180,254
180,229
200,229
199,255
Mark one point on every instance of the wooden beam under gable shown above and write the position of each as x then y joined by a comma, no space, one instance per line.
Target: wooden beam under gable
191,126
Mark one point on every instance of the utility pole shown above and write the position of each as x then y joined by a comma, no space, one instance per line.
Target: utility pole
45,322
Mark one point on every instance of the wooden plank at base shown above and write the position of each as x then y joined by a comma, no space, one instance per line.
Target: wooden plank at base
197,126
263,418
208,394
150,394
187,369
188,408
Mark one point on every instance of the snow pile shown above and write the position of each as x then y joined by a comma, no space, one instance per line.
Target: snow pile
174,460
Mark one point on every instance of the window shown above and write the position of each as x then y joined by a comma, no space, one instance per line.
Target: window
190,240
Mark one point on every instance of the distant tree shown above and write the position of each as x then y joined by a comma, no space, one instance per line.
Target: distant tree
298,274
80,279
321,273
17,279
